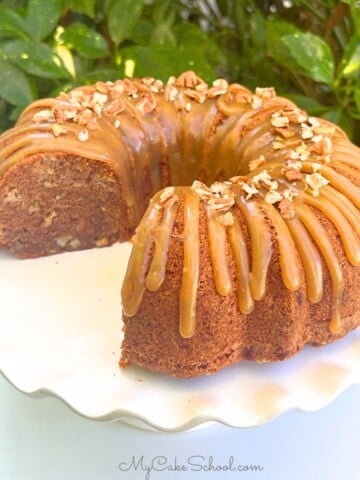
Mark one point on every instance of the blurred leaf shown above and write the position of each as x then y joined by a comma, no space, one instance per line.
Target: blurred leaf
105,5
312,54
66,58
357,97
42,17
350,63
86,41
82,6
198,44
164,12
16,111
223,6
17,92
162,34
194,50
35,58
162,61
149,61
257,34
142,31
276,30
101,73
241,21
355,14
12,24
122,18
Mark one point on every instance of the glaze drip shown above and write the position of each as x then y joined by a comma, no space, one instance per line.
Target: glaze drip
161,237
191,265
261,247
217,243
241,259
134,286
319,235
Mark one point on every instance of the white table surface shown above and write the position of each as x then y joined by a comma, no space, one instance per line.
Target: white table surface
42,439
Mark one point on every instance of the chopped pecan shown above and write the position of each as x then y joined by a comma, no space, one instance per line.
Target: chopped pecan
256,163
188,79
286,208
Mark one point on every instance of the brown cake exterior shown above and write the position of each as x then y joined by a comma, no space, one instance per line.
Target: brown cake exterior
118,140
253,255
277,327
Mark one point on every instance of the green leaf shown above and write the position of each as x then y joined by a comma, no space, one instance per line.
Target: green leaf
86,41
16,112
35,58
67,58
42,17
356,108
162,61
162,34
122,18
240,16
257,33
164,15
275,31
82,6
101,73
12,24
224,6
147,61
312,54
164,12
350,63
142,31
355,14
199,49
17,92
357,97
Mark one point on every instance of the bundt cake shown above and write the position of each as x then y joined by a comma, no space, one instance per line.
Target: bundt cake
243,212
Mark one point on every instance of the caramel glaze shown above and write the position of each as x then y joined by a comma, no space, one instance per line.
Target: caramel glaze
257,154
303,243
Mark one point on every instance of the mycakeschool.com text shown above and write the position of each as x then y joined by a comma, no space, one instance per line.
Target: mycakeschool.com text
193,463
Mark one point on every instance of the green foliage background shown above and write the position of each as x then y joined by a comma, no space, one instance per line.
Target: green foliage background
308,49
